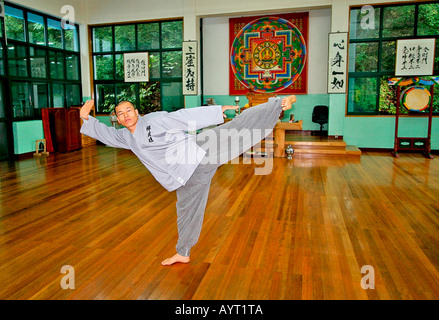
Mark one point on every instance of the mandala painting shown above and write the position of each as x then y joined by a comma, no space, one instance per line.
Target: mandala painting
269,55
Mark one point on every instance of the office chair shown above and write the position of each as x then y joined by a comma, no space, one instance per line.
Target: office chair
320,116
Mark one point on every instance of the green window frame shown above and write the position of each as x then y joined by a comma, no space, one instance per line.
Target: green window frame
373,34
39,62
163,42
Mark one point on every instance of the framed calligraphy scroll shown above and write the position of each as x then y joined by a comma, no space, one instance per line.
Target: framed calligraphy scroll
337,62
268,54
415,57
190,74
136,67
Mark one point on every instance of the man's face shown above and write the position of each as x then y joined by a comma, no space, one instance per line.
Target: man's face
127,115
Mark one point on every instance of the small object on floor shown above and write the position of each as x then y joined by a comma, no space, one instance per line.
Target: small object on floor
40,148
289,151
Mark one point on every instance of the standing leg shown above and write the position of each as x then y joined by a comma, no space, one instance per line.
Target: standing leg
191,204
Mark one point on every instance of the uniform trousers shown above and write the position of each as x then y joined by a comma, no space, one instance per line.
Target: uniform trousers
222,144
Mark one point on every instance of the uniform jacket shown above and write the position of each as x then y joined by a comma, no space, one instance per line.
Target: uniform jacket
162,141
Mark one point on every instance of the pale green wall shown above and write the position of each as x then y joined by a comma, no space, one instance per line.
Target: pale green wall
379,132
363,132
302,109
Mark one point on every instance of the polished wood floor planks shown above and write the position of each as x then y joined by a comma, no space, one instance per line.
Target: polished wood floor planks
302,232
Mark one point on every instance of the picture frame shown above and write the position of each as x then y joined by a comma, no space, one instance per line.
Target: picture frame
337,62
136,67
190,67
415,57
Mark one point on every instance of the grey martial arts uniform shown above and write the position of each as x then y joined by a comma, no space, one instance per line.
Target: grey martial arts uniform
175,158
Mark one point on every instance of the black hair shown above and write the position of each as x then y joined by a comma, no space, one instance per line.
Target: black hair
125,101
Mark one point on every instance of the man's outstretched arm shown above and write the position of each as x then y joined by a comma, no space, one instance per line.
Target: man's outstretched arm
99,131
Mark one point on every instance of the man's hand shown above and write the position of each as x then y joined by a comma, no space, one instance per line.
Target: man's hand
288,102
86,108
228,108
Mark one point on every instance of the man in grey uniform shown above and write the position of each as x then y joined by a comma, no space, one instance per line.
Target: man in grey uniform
162,142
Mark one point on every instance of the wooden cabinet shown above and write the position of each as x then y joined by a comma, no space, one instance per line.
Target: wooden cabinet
86,140
61,129
67,127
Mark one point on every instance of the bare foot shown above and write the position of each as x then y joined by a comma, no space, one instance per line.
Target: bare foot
288,102
175,259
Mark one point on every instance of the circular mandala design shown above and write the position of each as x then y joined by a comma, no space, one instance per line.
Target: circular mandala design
269,54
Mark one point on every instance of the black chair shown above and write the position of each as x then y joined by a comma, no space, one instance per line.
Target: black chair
320,116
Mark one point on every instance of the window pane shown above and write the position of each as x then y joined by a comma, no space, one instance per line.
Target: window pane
104,67
71,37
36,29
428,22
119,67
365,23
148,36
149,95
126,92
102,39
73,95
172,96
105,97
362,95
17,62
388,54
54,33
398,21
40,96
172,34
72,66
172,64
56,65
58,95
365,57
125,38
14,21
436,58
2,102
37,63
21,99
2,61
387,97
154,65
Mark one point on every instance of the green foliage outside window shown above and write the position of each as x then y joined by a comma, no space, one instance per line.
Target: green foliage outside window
372,53
162,41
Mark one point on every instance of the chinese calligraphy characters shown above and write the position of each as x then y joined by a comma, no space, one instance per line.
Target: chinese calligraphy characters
414,57
189,67
136,67
148,130
337,62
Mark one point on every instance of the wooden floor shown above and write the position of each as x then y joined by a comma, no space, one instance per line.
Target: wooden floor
302,232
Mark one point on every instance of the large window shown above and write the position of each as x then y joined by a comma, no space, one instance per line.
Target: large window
373,35
163,41
39,62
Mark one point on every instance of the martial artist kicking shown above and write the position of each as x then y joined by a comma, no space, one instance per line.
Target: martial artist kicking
182,161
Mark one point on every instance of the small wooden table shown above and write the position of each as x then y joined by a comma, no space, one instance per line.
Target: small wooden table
279,136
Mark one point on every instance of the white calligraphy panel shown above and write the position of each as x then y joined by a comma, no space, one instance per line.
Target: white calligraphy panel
136,67
415,57
190,74
337,62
